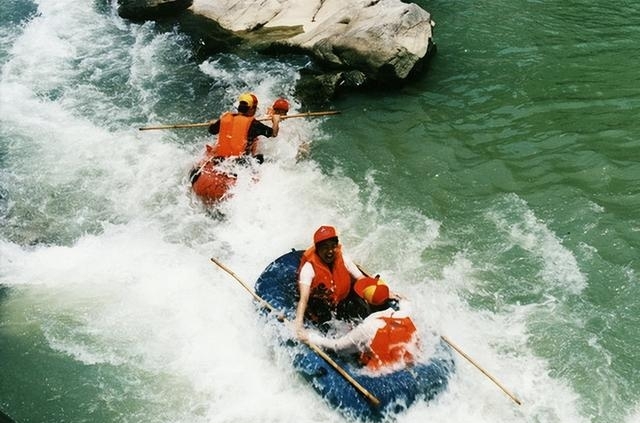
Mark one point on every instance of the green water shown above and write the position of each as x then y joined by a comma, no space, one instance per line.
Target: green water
500,187
539,100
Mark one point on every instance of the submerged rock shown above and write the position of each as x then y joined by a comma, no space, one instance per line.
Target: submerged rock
141,10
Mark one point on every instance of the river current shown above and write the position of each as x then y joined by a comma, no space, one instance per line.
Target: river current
499,190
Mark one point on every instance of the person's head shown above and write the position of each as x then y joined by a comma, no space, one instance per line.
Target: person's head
280,106
373,290
326,242
247,104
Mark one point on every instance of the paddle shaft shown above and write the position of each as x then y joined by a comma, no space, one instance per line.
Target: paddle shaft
375,401
199,125
246,287
477,366
372,399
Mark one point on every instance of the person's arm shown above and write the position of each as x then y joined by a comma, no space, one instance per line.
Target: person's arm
357,339
275,124
304,287
301,309
214,128
353,269
260,129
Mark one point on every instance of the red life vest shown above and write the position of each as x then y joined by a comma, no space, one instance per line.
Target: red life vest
336,281
389,345
233,134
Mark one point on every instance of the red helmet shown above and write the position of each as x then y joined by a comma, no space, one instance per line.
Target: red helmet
323,233
281,106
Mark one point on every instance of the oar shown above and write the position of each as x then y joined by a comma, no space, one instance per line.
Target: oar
462,353
245,286
306,114
375,401
198,125
177,125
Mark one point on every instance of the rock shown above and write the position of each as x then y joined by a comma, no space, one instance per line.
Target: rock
140,10
384,39
240,16
315,87
356,43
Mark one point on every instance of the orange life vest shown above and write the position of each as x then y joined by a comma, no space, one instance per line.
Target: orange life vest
233,134
336,281
389,345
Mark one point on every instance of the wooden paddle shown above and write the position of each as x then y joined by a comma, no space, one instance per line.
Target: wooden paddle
375,401
198,125
477,366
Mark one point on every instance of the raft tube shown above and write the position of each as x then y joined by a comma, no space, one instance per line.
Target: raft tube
210,183
396,391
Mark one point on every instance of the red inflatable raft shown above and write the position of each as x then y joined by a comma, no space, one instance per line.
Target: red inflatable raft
209,181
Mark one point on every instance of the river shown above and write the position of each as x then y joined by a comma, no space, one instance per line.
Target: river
499,191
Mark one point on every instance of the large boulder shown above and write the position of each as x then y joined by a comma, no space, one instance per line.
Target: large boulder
355,43
242,15
386,40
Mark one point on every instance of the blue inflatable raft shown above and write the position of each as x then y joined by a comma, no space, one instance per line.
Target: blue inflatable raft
396,391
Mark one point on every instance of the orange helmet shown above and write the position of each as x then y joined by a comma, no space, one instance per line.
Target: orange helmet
281,106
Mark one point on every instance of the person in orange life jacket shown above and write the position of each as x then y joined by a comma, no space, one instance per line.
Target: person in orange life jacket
325,280
238,132
387,338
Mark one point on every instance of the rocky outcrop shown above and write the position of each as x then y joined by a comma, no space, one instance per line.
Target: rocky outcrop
354,43
384,39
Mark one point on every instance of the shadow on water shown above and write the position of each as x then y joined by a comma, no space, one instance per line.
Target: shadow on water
5,419
4,292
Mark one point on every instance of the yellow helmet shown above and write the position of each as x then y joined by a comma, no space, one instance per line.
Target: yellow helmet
249,98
